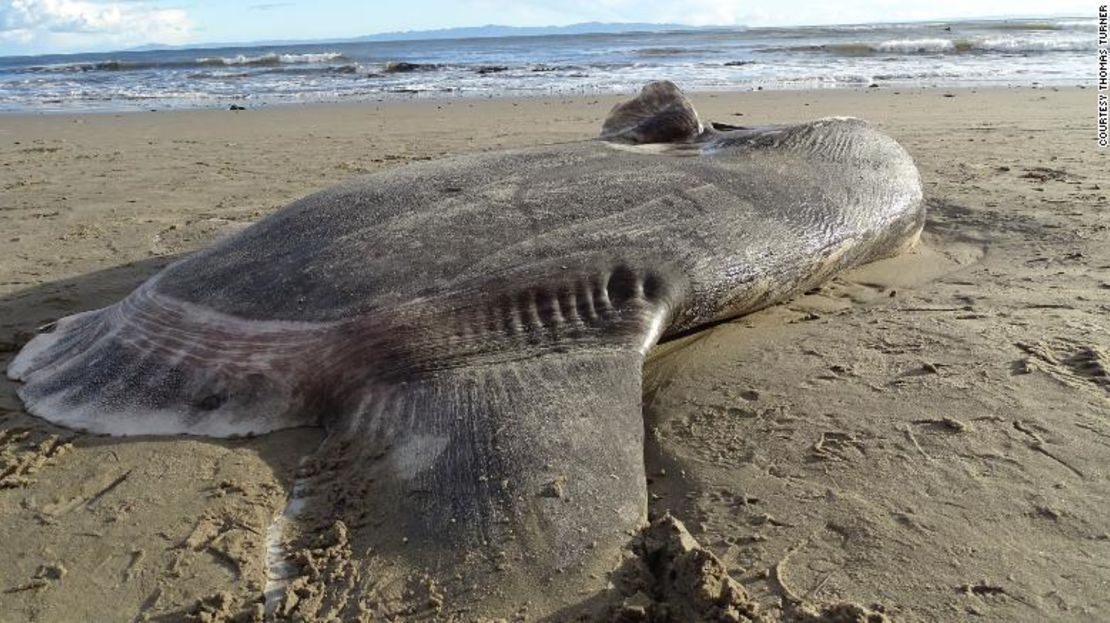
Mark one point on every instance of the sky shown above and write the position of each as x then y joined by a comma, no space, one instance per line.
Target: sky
61,26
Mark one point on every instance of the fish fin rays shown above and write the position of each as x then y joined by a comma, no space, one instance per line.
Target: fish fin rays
147,367
659,114
527,473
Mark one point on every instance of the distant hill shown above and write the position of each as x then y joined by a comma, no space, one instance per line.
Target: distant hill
492,30
468,32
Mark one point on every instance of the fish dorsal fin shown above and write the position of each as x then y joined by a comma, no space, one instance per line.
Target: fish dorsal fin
659,114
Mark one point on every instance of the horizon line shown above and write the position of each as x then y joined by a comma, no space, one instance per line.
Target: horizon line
203,45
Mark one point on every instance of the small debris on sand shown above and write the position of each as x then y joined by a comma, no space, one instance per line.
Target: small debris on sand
222,607
1045,174
41,579
557,488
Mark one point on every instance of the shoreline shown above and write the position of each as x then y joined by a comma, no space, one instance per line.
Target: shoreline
440,99
939,418
437,100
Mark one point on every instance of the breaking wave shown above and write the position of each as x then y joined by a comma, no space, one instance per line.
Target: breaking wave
111,65
673,51
937,45
272,58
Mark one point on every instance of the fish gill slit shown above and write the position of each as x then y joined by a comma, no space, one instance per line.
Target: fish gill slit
568,308
512,321
464,330
600,291
587,310
529,303
623,286
557,316
551,313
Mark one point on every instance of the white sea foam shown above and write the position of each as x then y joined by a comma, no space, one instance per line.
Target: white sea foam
1039,44
915,45
1012,44
272,58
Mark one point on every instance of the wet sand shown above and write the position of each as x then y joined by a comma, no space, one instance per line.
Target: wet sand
927,436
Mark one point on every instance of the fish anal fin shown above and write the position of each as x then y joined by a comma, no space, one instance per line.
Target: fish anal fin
503,483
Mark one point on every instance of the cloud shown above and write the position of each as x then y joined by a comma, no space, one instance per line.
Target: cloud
68,25
270,6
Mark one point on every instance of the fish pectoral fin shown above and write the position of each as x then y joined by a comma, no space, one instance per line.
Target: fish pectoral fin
503,483
659,114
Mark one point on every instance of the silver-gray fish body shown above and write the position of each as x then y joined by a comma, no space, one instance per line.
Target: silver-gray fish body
508,254
473,328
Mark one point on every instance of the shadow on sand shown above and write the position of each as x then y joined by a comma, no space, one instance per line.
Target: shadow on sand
22,435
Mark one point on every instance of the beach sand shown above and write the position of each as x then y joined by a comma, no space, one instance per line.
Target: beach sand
928,436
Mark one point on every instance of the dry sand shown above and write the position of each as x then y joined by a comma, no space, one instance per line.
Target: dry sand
928,436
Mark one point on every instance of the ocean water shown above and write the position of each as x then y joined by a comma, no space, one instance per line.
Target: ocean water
962,53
